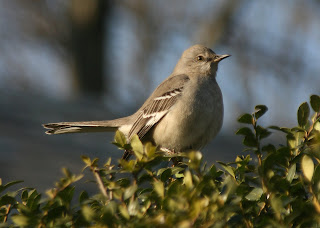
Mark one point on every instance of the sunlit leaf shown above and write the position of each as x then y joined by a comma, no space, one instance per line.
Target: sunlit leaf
137,147
130,191
194,155
295,139
127,165
228,168
307,166
159,188
150,150
291,172
86,160
124,211
187,180
229,186
133,207
20,220
120,138
255,194
88,213
276,205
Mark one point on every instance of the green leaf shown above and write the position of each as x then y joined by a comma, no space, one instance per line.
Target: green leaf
307,166
124,211
133,207
137,146
315,103
129,191
127,165
150,150
123,182
316,176
283,129
244,131
88,213
317,126
24,195
20,220
277,206
255,194
246,119
229,186
250,141
291,172
228,168
195,159
295,139
195,156
86,160
298,129
5,200
120,138
260,111
159,188
7,185
187,180
83,196
95,162
303,114
262,132
174,188
269,148
165,174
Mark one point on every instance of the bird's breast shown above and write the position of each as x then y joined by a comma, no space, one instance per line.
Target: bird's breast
194,120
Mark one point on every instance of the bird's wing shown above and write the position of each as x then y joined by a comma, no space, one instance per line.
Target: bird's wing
158,105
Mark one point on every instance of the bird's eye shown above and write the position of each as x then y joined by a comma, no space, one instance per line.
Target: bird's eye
200,58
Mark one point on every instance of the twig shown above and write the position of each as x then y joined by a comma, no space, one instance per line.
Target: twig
100,183
7,213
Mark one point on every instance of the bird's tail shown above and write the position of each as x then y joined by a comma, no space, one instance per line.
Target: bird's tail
80,127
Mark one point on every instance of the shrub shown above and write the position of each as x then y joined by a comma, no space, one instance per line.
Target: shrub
278,188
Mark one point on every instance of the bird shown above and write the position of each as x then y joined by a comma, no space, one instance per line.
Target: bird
183,113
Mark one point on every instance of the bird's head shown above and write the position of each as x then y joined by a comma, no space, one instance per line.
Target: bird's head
198,59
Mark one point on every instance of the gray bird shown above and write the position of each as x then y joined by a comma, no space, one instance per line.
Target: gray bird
183,113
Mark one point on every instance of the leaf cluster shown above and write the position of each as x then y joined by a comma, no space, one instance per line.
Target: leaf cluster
277,187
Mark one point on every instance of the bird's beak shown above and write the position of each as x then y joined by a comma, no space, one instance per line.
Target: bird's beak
220,57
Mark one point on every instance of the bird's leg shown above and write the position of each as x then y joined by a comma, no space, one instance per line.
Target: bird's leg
175,160
127,154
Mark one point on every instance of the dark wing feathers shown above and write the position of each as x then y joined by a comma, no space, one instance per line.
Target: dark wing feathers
158,105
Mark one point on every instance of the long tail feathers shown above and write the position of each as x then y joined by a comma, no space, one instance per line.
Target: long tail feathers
78,127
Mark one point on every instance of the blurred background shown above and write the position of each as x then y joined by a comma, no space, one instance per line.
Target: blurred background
93,60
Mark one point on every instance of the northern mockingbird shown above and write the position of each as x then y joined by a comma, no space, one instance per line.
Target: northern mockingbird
184,112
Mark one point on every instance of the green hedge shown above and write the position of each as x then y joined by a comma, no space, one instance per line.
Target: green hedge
277,187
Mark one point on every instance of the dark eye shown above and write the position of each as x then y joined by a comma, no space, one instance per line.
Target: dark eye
200,58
